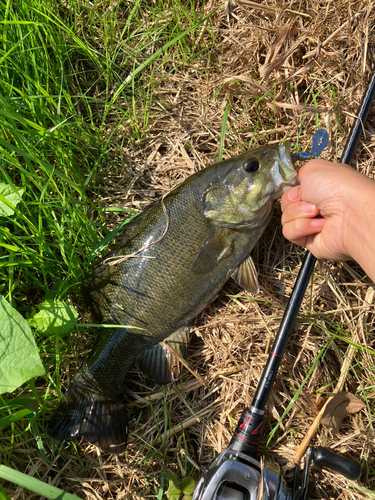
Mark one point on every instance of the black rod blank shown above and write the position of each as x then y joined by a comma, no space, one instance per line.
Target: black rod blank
291,311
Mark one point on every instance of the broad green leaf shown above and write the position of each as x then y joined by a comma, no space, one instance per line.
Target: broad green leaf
187,485
172,496
54,317
11,196
174,491
19,358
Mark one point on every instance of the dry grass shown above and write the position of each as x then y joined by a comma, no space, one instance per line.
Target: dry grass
185,425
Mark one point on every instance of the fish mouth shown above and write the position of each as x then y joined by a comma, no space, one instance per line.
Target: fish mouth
284,186
284,173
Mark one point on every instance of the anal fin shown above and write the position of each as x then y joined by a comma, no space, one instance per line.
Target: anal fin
246,276
159,363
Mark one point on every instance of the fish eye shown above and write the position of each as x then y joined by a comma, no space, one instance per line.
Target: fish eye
251,166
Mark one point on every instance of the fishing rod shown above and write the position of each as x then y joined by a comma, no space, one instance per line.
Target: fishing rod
236,474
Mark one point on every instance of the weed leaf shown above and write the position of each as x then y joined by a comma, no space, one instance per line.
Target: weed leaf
19,358
340,407
187,485
54,317
9,198
174,492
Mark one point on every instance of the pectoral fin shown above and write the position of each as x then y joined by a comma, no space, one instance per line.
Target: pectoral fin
219,247
159,363
246,276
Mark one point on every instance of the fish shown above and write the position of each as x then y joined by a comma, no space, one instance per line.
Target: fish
167,265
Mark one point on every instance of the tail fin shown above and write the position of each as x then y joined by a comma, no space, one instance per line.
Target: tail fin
85,412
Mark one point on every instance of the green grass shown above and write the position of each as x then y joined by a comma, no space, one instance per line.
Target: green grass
57,92
32,484
69,78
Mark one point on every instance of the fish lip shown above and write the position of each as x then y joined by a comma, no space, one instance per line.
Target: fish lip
284,186
285,166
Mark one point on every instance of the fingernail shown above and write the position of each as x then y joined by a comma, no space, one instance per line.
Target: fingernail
307,208
293,194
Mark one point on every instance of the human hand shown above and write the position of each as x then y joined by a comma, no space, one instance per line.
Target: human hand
328,212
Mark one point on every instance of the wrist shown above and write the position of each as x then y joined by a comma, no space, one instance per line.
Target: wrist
359,234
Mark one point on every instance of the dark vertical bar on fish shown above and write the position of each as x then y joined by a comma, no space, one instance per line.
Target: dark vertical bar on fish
243,439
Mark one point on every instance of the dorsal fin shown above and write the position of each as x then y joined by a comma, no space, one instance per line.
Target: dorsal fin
114,240
121,238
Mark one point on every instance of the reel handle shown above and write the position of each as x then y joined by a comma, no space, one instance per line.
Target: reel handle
325,458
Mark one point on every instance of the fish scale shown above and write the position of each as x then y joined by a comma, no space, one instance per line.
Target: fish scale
172,260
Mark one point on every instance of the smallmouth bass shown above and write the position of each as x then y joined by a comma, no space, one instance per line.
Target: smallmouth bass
168,264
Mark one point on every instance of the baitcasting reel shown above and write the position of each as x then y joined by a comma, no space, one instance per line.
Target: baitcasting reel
236,475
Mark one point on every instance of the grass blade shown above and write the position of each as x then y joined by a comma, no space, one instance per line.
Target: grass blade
157,54
3,495
33,484
223,132
298,392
